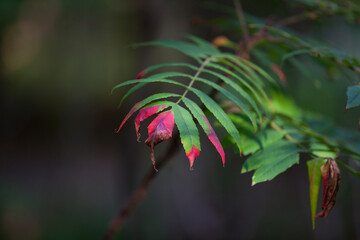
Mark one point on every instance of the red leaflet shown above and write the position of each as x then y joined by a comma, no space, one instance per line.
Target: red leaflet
192,155
131,112
215,140
141,74
135,107
144,114
279,72
159,130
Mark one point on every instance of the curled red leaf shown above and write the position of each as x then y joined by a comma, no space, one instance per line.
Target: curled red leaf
144,114
159,130
331,170
192,155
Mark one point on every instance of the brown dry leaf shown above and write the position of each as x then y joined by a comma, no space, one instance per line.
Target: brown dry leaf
329,169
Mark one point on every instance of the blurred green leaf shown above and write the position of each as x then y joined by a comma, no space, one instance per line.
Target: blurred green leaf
314,184
353,94
322,150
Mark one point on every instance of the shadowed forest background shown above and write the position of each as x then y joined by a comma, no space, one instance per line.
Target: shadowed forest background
64,172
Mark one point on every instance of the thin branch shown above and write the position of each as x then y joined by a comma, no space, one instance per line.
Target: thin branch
355,69
279,129
141,191
241,17
206,61
297,18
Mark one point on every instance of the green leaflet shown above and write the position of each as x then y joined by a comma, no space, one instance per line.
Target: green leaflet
131,91
268,155
186,48
220,115
177,64
250,141
167,75
283,34
241,80
196,112
204,45
187,128
163,102
294,53
248,74
321,52
162,75
260,141
147,80
154,97
260,71
250,67
245,71
231,97
314,184
325,53
353,94
322,150
236,87
271,161
277,166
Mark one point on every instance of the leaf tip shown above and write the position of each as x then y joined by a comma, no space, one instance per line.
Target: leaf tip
141,74
118,130
214,139
192,155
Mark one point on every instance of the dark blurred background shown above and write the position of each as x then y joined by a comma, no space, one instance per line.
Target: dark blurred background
64,172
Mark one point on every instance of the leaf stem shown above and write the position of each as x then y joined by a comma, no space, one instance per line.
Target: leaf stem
279,129
290,138
206,61
141,191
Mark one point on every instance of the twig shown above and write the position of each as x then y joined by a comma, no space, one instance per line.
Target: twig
296,18
140,193
206,61
287,136
241,17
